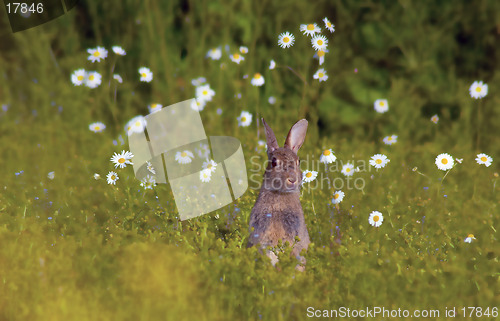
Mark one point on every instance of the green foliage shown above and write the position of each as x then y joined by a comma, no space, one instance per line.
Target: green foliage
76,248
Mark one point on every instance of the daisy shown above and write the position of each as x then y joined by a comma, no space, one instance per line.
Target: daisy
309,176
327,157
272,100
214,53
136,125
205,175
146,74
245,119
118,78
321,75
261,143
78,77
484,159
435,119
376,218
243,50
328,25
184,157
197,104
286,40
257,80
478,89
112,178
237,58
381,106
444,162
97,127
150,167
148,182
319,42
198,81
204,93
153,108
389,140
272,64
338,196
320,55
310,29
379,161
210,165
348,169
118,50
97,176
93,79
469,238
51,175
97,54
121,160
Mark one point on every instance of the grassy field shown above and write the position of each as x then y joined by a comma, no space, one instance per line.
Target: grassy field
73,247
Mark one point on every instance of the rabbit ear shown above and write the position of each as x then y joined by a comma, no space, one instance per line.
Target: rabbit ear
296,136
272,144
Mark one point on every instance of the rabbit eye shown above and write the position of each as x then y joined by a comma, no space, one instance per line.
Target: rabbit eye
274,162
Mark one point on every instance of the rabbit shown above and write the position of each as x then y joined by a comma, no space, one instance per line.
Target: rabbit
277,213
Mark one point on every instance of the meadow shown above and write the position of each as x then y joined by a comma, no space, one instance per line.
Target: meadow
75,247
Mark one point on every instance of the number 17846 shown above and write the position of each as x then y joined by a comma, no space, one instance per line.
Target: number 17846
23,7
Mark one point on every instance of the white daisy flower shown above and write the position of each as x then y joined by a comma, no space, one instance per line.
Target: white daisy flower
150,167
379,160
321,75
146,74
329,25
148,182
214,53
204,93
184,157
93,79
319,42
51,175
245,119
97,54
348,169
257,80
320,55
97,176
389,140
469,238
153,108
198,81
272,100
478,90
381,106
112,178
136,125
484,159
376,218
78,77
237,58
121,160
118,78
118,50
310,29
338,196
97,127
272,64
261,143
327,157
444,162
205,175
210,165
309,176
243,49
286,40
197,104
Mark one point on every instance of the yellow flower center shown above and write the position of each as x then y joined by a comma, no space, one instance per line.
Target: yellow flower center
484,159
286,39
309,174
121,160
257,76
389,139
321,75
205,92
378,161
243,119
478,89
236,56
91,77
113,177
321,53
376,218
348,169
336,195
138,123
143,75
184,154
209,166
470,235
326,152
320,42
444,161
80,78
381,104
96,54
329,24
97,128
310,27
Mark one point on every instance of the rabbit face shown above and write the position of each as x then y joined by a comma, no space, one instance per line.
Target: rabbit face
283,172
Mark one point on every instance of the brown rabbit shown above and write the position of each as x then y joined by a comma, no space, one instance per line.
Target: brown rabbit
277,213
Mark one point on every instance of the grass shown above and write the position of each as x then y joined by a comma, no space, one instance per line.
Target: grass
76,248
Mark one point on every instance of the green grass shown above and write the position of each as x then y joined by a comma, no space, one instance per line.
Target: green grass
76,248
